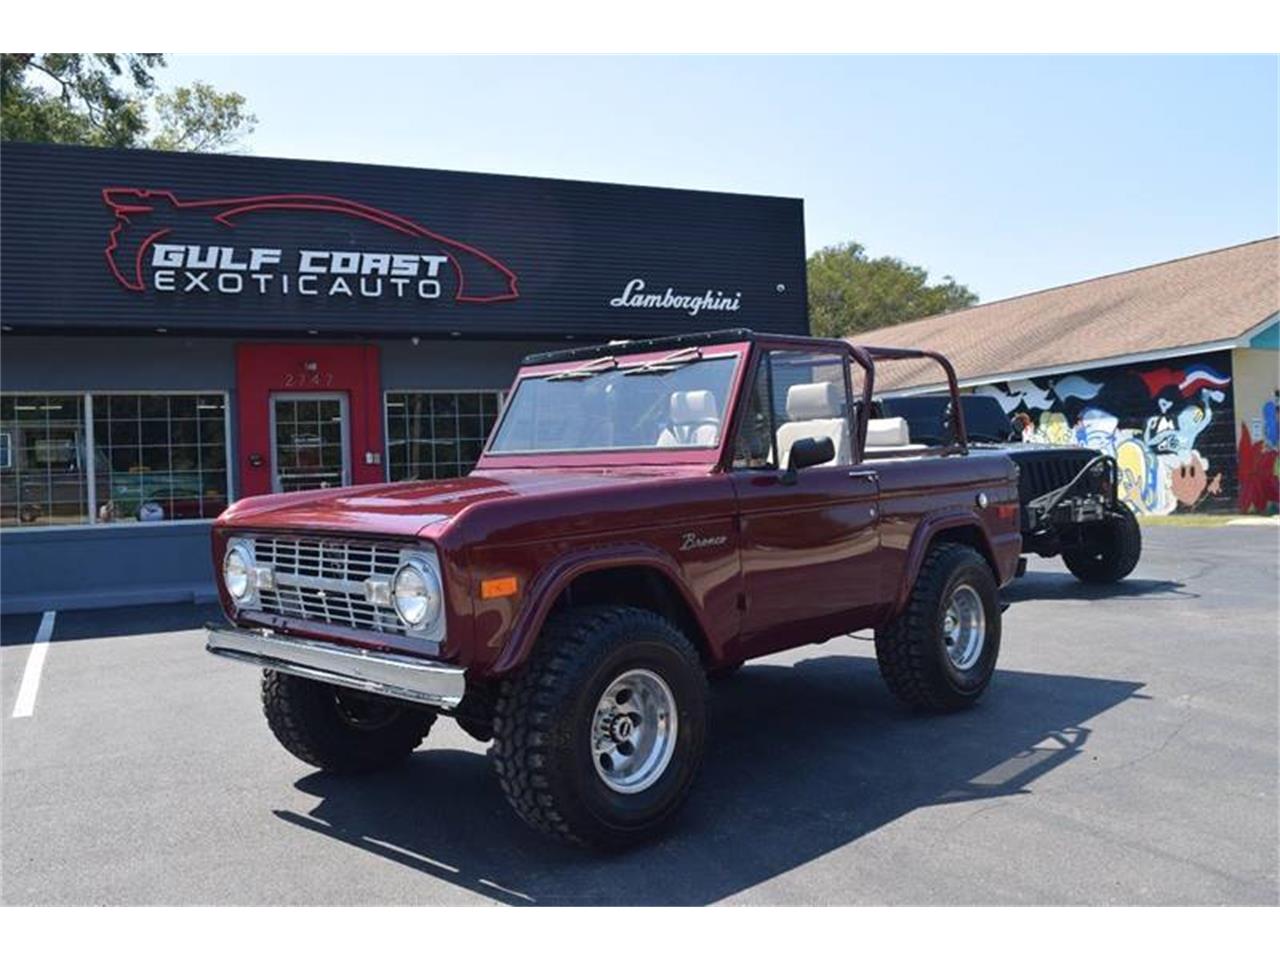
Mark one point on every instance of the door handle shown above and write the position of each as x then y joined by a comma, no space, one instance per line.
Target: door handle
856,474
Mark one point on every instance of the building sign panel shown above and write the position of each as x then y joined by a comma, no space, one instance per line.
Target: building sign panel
115,240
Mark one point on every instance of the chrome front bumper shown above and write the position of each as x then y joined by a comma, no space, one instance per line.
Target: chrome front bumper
386,674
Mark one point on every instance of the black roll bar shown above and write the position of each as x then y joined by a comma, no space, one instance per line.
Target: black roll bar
961,444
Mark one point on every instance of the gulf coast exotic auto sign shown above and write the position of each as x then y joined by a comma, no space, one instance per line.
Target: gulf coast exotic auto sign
149,248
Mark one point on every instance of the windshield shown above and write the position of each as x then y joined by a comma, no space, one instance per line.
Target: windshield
619,404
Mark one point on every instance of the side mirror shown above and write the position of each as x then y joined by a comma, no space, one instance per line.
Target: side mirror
808,452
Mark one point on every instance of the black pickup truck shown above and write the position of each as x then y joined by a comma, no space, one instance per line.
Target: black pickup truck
1068,493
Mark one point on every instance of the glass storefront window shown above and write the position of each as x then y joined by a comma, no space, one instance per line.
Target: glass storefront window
436,435
153,457
43,474
164,456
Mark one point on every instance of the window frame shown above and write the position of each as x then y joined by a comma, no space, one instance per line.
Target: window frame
739,350
347,449
562,451
764,359
90,452
499,393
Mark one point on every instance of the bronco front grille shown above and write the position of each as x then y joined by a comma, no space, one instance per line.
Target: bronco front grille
323,581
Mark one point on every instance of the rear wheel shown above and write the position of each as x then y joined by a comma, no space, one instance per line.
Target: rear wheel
941,652
1109,549
599,738
337,729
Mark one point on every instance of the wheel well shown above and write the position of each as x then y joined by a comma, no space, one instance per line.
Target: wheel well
635,586
970,536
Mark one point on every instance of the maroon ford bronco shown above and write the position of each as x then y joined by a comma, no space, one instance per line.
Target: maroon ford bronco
644,516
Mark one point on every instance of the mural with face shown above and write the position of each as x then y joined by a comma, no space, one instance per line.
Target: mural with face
1160,422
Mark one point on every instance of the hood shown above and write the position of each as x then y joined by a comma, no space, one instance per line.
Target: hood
413,507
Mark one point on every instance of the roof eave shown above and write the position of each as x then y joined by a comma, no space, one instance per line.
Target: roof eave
1165,353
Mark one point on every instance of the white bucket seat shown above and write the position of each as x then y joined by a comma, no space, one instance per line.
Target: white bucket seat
814,410
890,433
695,420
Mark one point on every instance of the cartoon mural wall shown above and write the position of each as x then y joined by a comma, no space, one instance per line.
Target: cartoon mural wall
1257,460
1169,426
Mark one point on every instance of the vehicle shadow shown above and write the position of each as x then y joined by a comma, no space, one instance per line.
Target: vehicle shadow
19,628
1043,585
803,760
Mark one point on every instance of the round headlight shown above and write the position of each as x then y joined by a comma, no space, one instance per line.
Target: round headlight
416,594
235,571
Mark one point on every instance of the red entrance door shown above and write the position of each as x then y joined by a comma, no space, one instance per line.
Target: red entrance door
309,417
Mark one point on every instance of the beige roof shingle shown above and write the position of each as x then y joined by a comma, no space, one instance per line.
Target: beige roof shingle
1195,300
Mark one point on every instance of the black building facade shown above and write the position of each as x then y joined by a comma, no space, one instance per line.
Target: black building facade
180,331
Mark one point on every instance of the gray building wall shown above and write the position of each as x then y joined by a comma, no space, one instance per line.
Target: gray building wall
33,364
36,364
120,564
456,364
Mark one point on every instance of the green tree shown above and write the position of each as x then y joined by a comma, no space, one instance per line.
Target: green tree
103,99
200,119
849,293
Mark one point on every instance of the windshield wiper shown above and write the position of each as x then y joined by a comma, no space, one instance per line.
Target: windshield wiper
672,361
588,369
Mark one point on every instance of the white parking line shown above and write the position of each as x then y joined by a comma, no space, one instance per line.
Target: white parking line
26,703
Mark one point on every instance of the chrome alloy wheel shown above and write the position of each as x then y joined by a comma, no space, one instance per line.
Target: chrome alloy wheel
964,627
633,731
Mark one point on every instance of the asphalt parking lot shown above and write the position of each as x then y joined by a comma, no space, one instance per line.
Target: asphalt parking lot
1127,753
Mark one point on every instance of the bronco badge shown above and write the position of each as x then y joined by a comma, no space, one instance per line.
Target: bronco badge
691,541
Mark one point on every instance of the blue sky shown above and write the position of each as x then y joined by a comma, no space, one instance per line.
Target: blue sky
1010,173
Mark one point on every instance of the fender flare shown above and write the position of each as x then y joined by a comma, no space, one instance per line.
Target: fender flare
555,577
924,535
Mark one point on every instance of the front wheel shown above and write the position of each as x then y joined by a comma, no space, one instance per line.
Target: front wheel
598,740
1109,549
340,730
728,672
941,652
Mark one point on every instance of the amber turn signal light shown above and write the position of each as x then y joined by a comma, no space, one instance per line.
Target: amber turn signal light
498,587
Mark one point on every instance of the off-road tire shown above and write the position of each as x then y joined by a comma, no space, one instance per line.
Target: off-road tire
720,674
911,651
1111,550
474,715
542,726
307,717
